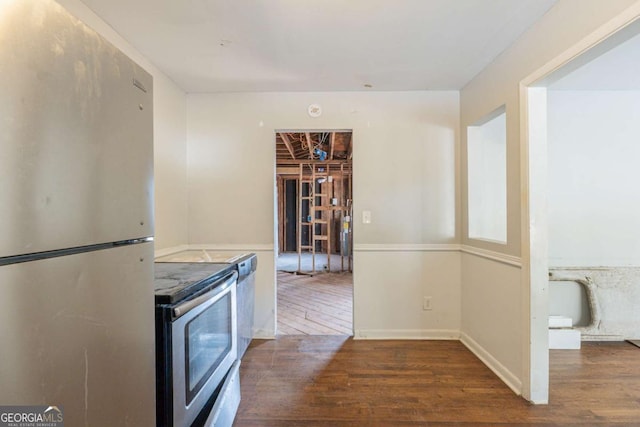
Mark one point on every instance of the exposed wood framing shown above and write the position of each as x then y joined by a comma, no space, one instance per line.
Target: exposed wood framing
311,162
321,230
332,143
282,219
310,144
287,143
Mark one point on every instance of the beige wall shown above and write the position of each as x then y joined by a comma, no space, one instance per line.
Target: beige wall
219,189
169,127
390,289
405,151
566,24
170,165
563,26
491,322
404,162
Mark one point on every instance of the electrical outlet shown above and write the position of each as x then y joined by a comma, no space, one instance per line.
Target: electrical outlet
426,303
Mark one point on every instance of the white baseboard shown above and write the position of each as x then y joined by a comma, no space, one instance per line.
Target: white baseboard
406,334
263,334
492,363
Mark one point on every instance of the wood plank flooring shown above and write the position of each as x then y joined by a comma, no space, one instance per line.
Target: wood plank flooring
336,381
315,305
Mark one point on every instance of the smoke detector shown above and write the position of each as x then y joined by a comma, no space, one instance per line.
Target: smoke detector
314,110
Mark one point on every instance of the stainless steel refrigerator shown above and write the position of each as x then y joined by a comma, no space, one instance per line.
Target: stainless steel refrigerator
76,220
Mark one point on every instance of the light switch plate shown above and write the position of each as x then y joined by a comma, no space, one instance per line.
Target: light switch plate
366,217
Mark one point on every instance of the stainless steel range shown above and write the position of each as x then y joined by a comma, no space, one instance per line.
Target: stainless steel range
246,264
196,344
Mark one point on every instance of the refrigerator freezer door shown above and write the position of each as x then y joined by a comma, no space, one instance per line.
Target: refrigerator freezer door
78,333
76,134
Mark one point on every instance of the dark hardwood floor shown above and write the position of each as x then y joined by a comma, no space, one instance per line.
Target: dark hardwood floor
336,381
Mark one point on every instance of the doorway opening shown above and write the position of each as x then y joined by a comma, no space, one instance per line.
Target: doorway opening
314,180
580,149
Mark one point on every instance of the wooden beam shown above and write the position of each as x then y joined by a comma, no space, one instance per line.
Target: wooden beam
332,140
287,143
287,170
312,162
308,135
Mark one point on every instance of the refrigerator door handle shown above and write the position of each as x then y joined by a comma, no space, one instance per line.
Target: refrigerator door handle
187,306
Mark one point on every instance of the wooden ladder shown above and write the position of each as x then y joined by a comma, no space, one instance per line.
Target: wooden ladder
325,214
308,197
321,211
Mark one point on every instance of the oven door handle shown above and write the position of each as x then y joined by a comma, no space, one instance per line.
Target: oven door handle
187,306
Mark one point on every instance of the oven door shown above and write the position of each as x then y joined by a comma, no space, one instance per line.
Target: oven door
204,347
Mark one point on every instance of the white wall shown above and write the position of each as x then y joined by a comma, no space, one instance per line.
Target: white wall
566,24
405,166
169,127
594,195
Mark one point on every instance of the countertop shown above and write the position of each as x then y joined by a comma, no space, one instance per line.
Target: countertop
203,255
176,280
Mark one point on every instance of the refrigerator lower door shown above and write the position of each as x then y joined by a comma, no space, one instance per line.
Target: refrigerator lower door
77,332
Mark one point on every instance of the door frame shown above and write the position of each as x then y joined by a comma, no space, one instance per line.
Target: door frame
276,231
533,170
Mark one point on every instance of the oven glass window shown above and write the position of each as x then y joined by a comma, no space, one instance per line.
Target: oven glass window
208,342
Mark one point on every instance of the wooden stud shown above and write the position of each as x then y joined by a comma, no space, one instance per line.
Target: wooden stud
282,227
310,143
332,141
287,143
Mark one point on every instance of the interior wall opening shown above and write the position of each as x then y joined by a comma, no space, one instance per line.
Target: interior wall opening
487,177
584,205
314,232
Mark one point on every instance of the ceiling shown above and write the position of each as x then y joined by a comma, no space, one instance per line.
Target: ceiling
326,45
